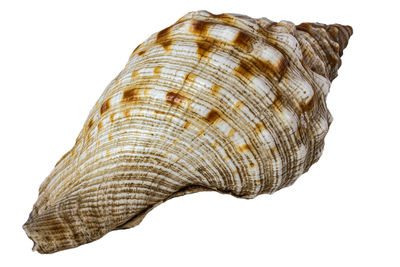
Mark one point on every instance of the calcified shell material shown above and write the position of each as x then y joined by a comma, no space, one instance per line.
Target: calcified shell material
214,102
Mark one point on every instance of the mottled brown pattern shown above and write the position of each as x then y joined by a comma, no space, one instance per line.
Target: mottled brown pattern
163,38
308,106
201,132
134,74
238,105
213,102
304,27
189,78
166,44
259,128
273,71
244,69
243,40
163,33
130,95
134,51
199,27
277,103
215,89
231,133
281,67
243,148
174,98
204,48
90,124
212,116
157,71
105,106
186,124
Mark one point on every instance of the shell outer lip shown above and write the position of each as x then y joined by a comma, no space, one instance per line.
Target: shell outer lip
28,233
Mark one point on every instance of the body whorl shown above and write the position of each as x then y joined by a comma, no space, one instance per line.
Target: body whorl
214,102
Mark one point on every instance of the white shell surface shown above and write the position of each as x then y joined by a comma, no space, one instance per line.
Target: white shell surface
214,102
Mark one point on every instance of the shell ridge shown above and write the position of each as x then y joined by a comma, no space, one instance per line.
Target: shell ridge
220,102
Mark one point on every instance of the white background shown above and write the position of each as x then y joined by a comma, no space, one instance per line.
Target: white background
57,57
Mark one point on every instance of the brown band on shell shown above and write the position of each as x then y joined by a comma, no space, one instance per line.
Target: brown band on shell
163,38
189,78
244,69
276,70
243,148
277,103
281,67
186,124
105,106
199,27
134,51
259,127
215,89
212,116
130,95
88,137
231,133
243,40
90,124
308,106
134,74
157,71
175,98
248,68
238,105
204,47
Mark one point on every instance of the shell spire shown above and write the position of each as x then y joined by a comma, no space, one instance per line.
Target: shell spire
224,102
331,40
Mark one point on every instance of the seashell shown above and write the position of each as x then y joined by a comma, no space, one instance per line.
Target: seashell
214,102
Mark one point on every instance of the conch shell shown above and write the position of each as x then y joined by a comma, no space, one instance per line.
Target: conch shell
214,102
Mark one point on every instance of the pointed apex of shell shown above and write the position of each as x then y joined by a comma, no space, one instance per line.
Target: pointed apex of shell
332,39
340,34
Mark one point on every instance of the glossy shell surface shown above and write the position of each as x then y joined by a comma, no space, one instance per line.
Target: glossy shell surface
214,102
